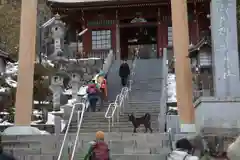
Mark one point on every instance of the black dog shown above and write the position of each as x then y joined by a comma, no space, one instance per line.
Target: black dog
145,120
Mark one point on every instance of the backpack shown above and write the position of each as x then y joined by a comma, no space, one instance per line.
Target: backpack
104,83
92,90
100,151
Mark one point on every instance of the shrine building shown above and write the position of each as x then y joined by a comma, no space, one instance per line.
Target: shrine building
124,25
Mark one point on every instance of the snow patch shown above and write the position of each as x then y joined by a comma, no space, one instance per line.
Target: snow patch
171,87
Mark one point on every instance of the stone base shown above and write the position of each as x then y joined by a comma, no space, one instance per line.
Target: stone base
188,128
22,130
212,112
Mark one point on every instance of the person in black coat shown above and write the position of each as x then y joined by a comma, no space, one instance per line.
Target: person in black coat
124,72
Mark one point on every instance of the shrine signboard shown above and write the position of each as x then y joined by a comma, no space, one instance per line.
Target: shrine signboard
101,23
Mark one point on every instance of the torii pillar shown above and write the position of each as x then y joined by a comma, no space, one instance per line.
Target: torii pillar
24,95
182,65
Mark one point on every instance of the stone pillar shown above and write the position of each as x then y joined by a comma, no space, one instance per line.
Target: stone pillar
75,82
24,95
57,89
159,36
182,65
118,52
225,50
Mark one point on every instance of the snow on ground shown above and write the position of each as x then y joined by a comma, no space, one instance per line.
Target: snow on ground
12,68
81,92
44,102
171,86
3,89
5,123
11,82
67,91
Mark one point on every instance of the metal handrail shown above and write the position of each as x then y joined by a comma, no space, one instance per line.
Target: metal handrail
119,102
66,133
107,112
118,106
78,129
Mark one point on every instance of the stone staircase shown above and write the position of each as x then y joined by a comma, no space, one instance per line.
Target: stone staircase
123,144
93,122
128,146
146,90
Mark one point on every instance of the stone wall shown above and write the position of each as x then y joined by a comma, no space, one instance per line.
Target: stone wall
211,112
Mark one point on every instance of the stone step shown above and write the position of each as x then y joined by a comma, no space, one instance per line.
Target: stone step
85,136
29,151
36,157
116,129
145,106
139,156
117,125
142,110
144,102
131,156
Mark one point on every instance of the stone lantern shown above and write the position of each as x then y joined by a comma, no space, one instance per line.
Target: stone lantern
201,65
57,89
58,33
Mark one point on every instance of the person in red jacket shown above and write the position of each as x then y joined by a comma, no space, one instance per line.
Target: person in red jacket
103,87
92,92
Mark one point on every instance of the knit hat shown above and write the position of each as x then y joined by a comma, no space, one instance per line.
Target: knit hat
100,135
101,73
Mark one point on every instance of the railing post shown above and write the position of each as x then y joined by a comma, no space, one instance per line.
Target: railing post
112,121
109,125
118,115
78,130
66,133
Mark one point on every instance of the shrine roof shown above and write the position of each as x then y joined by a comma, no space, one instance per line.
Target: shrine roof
77,1
71,4
206,40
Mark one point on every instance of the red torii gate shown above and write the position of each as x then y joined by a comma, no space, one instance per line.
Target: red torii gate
182,65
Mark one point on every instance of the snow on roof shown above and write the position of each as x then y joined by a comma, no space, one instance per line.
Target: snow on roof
5,123
11,68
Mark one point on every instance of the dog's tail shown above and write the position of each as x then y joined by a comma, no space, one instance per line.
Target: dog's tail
147,117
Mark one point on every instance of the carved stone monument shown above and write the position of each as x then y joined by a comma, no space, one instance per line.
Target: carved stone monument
222,110
225,48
